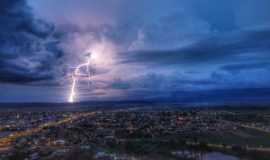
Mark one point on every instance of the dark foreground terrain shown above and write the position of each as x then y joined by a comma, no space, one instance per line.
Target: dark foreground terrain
144,133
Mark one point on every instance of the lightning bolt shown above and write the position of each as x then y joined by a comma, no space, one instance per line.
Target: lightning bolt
76,75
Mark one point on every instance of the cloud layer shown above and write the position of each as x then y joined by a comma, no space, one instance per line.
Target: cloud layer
141,49
28,49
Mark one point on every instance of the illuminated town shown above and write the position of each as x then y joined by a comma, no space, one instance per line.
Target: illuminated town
135,133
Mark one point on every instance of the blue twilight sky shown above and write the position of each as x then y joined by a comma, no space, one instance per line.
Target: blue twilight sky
175,50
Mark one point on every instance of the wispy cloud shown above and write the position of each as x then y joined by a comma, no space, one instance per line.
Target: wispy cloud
229,47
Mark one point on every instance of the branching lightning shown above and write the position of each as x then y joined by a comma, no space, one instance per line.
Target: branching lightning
76,75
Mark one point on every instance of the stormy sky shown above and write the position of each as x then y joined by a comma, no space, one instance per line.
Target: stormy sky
171,50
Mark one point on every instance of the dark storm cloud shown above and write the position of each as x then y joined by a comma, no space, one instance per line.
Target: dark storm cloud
211,49
154,48
160,82
235,68
27,47
162,24
120,84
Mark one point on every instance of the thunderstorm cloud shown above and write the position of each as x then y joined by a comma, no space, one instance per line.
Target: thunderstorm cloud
168,50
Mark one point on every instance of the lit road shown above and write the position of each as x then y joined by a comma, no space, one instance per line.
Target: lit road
6,141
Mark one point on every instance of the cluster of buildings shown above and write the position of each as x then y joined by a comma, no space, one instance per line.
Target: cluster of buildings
101,133
19,121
